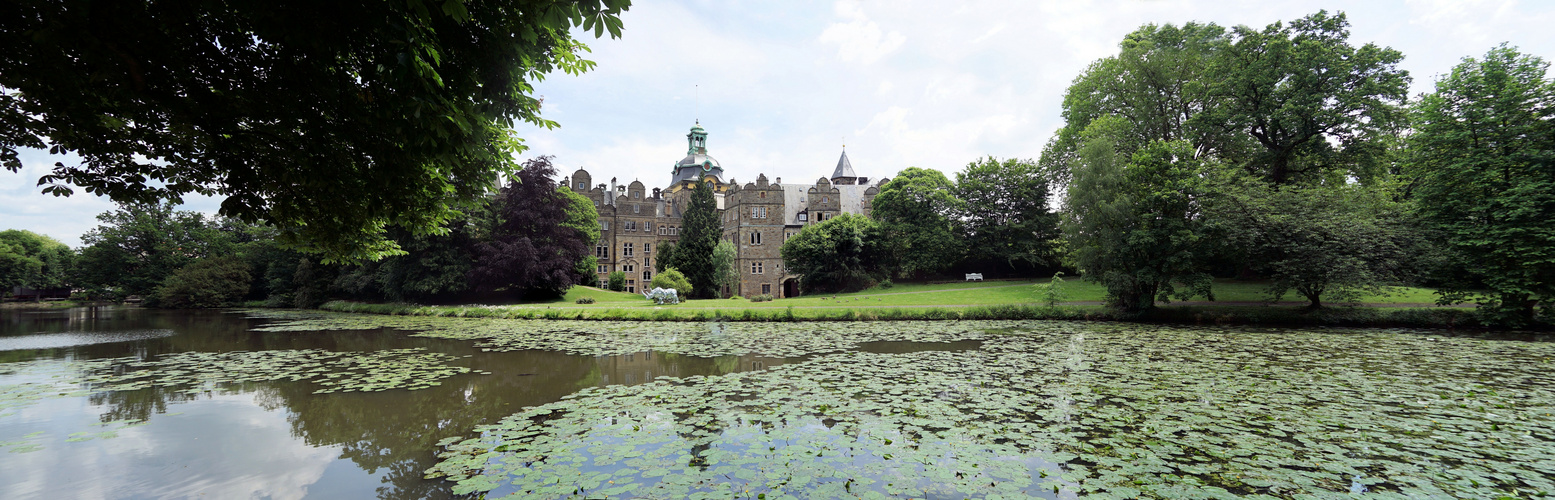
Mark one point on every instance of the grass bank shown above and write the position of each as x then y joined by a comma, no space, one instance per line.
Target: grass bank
1193,315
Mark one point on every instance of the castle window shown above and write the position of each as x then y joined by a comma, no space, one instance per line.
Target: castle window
628,268
603,269
582,187
756,268
636,209
762,195
755,237
758,212
604,284
647,227
630,225
803,217
602,252
604,225
626,249
647,275
647,249
766,289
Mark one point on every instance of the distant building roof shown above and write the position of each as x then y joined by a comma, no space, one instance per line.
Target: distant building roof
844,167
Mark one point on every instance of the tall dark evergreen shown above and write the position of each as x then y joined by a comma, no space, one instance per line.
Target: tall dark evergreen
700,230
533,252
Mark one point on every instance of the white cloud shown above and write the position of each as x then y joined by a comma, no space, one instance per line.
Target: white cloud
860,39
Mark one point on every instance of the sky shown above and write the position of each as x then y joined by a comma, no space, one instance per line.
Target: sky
781,87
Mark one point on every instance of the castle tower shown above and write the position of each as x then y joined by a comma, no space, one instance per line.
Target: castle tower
697,165
843,175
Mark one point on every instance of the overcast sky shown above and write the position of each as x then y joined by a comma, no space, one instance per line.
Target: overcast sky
780,86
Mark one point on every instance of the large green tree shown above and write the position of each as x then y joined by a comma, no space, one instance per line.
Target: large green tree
1315,105
1134,222
1484,151
1160,81
700,231
917,210
583,217
1006,215
138,245
329,120
844,253
32,260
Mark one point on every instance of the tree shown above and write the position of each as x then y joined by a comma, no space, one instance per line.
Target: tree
617,281
1160,82
844,253
724,273
139,245
1485,173
397,113
1006,214
1315,104
666,256
671,278
700,232
32,260
915,209
1134,224
532,252
1318,241
213,282
583,217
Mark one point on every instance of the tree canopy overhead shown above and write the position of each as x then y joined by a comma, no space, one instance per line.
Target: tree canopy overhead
328,120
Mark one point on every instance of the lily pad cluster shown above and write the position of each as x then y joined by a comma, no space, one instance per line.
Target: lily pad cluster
1094,410
411,368
603,338
196,372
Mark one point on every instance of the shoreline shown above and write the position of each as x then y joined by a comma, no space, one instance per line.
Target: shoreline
1362,316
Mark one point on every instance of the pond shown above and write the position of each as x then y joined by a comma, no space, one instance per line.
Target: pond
136,403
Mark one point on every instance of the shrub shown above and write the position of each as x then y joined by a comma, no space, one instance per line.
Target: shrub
617,281
886,285
586,300
212,282
1052,292
762,298
673,278
737,297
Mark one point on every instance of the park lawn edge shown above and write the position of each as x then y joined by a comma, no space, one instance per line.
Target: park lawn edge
1449,318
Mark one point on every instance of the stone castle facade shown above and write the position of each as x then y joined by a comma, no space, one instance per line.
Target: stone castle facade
757,217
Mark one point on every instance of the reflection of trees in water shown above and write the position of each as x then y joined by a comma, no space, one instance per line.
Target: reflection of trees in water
390,433
139,404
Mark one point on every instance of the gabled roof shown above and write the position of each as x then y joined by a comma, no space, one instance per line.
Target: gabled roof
844,167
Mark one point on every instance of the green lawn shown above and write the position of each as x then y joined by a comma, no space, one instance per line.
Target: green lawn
948,294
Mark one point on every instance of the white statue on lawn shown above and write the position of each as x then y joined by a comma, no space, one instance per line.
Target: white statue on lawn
662,296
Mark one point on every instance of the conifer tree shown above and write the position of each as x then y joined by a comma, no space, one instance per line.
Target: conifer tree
699,235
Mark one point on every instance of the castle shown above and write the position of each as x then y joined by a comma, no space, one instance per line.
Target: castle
757,217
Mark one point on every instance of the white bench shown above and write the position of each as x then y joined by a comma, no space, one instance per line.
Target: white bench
974,276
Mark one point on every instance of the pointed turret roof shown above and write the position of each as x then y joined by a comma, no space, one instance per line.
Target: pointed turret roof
844,167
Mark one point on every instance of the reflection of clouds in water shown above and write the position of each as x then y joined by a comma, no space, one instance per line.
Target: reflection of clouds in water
223,447
70,339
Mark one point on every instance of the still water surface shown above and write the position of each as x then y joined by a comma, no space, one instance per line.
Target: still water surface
272,439
214,404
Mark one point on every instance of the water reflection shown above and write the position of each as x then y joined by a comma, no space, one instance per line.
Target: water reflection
279,439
